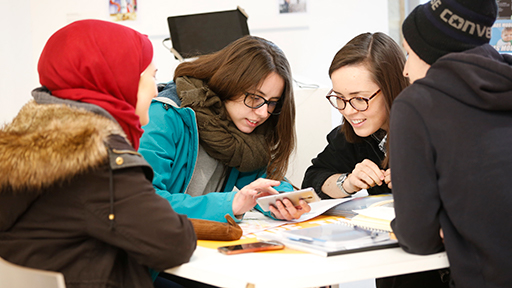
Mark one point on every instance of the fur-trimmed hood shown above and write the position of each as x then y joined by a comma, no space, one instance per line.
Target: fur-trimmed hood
49,143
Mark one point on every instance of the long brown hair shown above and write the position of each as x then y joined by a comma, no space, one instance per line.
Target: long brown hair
241,66
385,60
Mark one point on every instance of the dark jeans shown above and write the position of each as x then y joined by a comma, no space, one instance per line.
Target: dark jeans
427,279
165,280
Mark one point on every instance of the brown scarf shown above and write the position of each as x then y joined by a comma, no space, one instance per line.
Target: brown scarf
218,135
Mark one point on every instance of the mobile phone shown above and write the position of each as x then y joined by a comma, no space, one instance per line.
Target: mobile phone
251,247
308,194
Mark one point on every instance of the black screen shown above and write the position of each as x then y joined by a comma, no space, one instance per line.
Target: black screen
199,34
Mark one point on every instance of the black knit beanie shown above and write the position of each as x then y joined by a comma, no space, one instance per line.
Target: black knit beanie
439,27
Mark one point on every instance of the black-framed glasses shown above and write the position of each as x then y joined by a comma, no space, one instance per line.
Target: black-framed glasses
255,101
359,103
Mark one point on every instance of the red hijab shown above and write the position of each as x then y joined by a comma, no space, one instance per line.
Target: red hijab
100,63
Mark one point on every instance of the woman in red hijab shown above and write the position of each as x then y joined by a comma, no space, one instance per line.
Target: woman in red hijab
75,196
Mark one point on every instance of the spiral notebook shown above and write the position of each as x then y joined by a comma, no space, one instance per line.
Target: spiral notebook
335,239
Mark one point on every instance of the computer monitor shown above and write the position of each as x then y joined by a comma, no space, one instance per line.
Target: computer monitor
199,34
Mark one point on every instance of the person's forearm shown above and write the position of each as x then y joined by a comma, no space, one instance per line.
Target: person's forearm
330,188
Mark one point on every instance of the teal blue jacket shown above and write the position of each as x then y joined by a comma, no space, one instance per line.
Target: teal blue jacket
170,144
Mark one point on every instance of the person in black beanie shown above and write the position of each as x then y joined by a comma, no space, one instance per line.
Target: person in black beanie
440,27
451,144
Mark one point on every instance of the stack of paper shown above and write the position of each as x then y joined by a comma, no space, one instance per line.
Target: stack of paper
374,218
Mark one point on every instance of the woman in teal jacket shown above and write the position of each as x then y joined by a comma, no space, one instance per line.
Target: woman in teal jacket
225,124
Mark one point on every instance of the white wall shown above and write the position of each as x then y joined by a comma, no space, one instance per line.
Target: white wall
309,40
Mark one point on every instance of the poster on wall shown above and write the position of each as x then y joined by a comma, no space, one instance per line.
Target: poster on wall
292,6
501,34
121,10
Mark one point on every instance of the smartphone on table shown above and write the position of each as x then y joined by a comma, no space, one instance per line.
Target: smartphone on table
308,194
251,247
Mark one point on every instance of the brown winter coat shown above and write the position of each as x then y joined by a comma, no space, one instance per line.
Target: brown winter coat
76,198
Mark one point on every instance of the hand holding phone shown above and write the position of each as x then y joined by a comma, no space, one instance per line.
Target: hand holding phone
251,247
309,195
